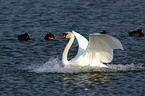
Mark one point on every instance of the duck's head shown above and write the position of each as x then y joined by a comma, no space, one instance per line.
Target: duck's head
50,36
104,32
140,31
27,36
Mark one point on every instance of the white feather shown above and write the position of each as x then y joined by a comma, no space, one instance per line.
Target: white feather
99,51
82,42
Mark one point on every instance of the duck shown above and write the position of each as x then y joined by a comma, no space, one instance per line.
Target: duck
23,37
139,32
95,52
49,36
104,32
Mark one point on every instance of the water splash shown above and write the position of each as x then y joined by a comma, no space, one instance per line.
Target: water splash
54,66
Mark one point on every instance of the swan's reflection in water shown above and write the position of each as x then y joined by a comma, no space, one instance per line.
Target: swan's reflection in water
86,82
88,78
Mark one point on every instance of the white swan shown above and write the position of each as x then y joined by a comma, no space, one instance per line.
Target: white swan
94,53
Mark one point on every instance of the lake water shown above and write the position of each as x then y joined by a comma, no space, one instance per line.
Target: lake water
33,68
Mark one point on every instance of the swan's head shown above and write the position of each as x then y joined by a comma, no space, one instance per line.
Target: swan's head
68,35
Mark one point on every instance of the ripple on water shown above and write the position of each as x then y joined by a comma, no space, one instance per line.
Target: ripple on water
54,66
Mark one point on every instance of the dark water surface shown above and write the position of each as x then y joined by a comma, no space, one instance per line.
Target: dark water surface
33,68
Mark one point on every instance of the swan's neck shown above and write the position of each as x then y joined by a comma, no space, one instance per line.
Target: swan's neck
64,56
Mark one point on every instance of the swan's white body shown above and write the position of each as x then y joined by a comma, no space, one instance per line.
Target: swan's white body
97,51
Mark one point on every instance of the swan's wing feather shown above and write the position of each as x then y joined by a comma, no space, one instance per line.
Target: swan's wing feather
101,47
82,42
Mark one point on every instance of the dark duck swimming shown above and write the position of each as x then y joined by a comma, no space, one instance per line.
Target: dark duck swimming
139,32
23,37
104,32
49,36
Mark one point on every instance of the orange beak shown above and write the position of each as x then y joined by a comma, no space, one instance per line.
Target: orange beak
63,36
142,32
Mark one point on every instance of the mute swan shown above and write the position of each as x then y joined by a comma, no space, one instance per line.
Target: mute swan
94,53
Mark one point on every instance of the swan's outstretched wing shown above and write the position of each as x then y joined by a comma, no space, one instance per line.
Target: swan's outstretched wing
101,47
82,42
99,51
